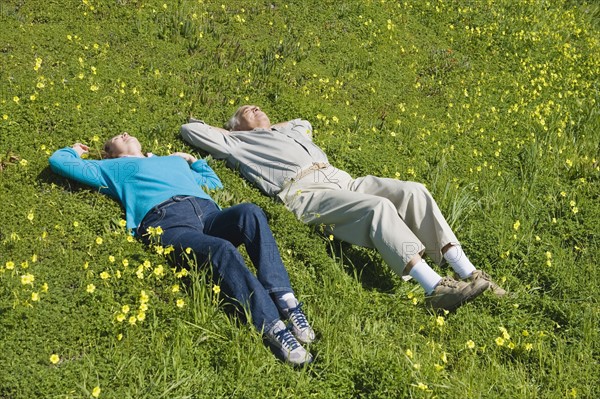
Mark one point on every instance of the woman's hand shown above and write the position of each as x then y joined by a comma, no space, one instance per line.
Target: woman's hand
189,158
81,149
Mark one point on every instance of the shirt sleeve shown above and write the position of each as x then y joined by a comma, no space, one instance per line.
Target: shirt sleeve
203,136
205,176
67,162
302,127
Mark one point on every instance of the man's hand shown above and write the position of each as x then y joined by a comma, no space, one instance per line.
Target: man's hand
189,158
81,149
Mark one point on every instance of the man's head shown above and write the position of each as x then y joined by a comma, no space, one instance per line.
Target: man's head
122,145
248,117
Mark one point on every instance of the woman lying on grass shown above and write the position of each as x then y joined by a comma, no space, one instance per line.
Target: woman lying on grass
164,191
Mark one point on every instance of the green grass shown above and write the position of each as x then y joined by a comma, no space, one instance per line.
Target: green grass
494,105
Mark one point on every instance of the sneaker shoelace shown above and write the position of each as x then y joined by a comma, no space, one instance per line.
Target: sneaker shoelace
287,339
449,283
298,317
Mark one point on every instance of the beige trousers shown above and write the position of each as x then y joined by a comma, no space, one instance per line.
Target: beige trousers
398,218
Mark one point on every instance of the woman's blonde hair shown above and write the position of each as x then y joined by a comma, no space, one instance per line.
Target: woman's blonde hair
106,150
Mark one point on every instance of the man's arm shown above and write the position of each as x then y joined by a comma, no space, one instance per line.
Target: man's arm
298,126
282,125
214,140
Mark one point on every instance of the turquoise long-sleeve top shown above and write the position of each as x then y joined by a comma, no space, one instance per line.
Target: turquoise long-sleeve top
138,184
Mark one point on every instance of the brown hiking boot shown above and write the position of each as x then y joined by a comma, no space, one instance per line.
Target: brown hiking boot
449,294
481,275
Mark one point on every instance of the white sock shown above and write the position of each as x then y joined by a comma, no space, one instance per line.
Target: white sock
459,261
425,276
287,301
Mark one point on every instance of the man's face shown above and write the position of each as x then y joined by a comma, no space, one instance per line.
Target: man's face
252,117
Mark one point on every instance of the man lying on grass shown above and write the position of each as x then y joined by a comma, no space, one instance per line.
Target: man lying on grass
398,218
164,191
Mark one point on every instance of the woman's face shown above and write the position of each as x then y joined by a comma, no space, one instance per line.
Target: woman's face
122,145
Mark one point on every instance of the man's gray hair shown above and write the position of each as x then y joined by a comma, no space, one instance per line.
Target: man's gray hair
234,122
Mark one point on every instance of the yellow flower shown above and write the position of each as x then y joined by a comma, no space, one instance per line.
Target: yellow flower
105,275
528,347
141,316
54,358
216,289
45,287
23,162
330,237
16,99
27,279
182,273
132,320
125,308
470,344
119,337
35,296
409,353
422,386
130,239
175,288
517,225
120,317
159,271
90,288
96,391
144,298
111,258
94,87
122,223
10,265
99,240
76,224
499,341
440,321
180,303
34,258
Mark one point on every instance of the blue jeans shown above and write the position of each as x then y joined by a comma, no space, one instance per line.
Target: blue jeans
214,235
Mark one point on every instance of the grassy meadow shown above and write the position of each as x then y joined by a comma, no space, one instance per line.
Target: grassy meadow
492,104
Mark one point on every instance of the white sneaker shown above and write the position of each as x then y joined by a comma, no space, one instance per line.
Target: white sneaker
300,327
286,347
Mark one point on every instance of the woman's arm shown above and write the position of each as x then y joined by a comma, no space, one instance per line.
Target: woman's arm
203,173
67,162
